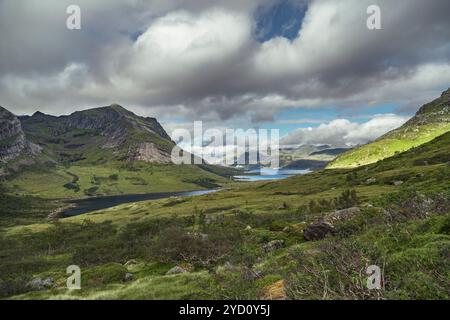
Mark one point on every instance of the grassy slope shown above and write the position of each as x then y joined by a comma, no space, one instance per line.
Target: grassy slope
388,146
110,179
76,163
411,247
432,120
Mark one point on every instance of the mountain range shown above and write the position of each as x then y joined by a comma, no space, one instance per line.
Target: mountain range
110,150
93,135
257,240
101,151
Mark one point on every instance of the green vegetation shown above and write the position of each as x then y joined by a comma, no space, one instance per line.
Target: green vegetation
78,181
222,239
432,120
100,152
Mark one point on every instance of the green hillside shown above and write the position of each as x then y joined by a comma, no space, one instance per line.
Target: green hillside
96,152
431,121
224,241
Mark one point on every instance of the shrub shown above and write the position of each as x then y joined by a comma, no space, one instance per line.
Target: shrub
72,186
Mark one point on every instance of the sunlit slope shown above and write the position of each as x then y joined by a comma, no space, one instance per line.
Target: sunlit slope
431,121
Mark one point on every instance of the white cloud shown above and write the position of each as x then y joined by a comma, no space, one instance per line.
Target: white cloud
343,132
199,59
183,49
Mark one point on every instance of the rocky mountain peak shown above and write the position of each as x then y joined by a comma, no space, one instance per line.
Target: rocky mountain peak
12,138
115,131
440,107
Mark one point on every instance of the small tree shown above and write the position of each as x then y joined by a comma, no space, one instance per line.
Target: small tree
347,199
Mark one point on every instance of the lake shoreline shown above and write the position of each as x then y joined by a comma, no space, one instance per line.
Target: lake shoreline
86,205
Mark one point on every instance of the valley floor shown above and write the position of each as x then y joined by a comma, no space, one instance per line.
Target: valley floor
248,241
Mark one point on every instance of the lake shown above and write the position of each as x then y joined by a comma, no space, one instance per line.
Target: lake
265,174
82,206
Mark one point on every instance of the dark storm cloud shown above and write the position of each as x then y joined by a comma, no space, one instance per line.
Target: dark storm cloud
201,59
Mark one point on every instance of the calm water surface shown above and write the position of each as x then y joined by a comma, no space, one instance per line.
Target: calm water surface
99,203
270,174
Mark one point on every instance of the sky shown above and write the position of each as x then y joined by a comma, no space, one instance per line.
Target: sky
310,68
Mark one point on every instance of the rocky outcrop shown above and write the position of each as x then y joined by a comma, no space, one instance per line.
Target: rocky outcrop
41,284
318,231
148,152
111,128
13,142
176,270
343,215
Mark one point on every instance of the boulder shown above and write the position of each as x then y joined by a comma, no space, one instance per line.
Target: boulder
176,270
41,284
397,183
371,181
273,245
318,231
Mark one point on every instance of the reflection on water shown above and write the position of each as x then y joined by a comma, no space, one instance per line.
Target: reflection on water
270,174
98,203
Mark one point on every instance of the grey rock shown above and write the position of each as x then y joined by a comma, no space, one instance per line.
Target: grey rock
318,231
12,138
128,276
41,284
371,181
273,245
176,270
397,183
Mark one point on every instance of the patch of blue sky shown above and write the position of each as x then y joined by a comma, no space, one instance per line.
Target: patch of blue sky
290,119
282,19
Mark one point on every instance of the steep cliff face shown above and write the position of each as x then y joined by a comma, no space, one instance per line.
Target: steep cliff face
13,143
